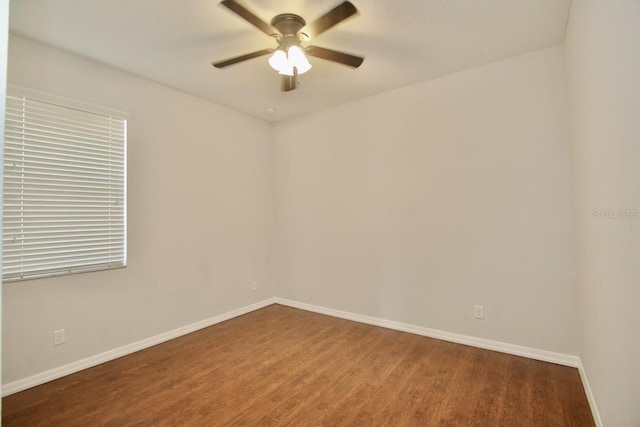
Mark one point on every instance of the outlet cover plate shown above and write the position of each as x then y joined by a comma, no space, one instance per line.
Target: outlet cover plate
59,337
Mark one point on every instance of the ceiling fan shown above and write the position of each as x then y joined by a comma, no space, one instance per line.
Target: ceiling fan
287,28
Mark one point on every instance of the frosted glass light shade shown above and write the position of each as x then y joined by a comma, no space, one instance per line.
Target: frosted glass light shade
278,60
283,62
298,60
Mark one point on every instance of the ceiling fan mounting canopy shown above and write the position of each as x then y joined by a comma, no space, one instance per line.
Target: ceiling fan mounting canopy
288,24
287,28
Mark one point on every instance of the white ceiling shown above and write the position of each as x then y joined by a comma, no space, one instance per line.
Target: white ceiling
403,41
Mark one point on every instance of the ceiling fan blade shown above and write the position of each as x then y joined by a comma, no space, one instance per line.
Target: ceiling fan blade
290,83
331,18
335,56
242,12
231,61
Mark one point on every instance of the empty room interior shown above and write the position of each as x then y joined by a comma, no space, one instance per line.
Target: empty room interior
437,223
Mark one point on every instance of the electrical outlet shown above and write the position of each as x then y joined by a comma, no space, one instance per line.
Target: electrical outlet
479,312
254,285
58,337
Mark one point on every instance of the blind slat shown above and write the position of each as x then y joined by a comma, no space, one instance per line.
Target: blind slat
40,239
35,165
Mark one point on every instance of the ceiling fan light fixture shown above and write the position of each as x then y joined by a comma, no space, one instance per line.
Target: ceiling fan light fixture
290,57
284,63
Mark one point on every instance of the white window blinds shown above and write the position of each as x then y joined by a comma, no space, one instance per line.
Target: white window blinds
64,187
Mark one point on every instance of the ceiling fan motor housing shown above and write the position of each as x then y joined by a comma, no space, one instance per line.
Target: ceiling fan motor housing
288,23
289,26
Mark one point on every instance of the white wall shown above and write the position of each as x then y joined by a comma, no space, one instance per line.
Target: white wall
200,219
417,204
603,60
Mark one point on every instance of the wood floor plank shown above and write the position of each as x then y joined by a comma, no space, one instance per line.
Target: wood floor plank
279,366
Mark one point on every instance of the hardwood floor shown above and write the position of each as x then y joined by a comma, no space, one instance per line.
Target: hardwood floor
282,366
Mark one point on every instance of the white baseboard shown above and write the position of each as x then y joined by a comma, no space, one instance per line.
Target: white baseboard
589,393
61,371
518,350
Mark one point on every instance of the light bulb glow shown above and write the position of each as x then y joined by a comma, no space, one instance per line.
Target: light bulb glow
278,60
297,59
283,62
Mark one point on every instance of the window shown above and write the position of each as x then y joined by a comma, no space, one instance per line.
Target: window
64,187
